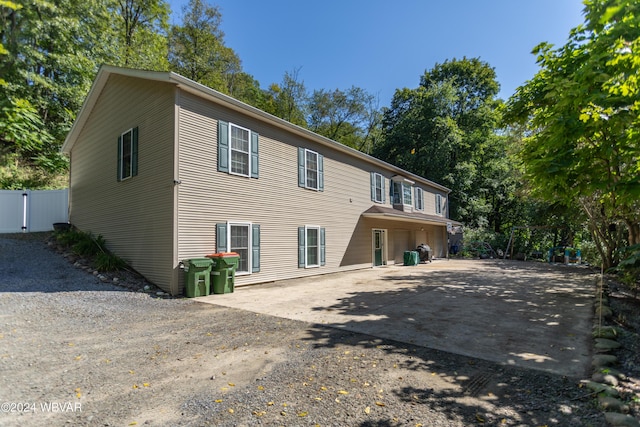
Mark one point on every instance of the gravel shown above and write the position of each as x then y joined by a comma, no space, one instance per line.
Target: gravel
75,350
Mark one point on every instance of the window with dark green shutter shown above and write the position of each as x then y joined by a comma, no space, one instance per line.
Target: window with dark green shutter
242,238
311,246
310,169
128,154
237,150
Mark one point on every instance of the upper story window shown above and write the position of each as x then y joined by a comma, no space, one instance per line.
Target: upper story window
128,154
402,193
419,204
438,204
310,169
377,188
237,150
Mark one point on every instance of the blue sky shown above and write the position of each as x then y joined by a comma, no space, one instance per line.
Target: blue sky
383,45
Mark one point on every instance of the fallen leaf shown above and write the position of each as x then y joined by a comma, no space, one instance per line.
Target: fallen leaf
260,388
270,403
367,410
259,414
133,423
343,392
323,388
135,386
231,384
78,357
145,384
337,400
131,372
479,418
380,403
218,400
230,410
303,414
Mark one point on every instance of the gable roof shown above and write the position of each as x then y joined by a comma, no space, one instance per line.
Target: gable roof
205,92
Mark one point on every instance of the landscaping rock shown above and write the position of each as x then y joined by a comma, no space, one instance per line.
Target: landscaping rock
603,360
605,379
612,404
621,420
602,388
606,344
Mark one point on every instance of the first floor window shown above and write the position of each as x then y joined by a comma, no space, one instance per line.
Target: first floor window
242,238
239,243
311,246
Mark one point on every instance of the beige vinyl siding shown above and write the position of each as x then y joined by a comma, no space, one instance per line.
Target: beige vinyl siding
274,201
135,216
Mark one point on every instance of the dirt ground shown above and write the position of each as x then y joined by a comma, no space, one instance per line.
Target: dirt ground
75,351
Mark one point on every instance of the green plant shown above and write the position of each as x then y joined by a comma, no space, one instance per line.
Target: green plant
88,245
106,261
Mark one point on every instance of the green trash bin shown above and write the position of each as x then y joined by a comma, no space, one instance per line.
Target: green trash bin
411,258
197,277
223,272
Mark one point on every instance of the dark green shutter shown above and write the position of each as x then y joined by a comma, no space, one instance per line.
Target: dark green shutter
301,247
119,177
223,146
221,237
323,257
134,152
255,247
320,172
254,155
302,179
372,182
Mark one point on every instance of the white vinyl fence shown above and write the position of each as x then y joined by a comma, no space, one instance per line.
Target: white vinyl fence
32,210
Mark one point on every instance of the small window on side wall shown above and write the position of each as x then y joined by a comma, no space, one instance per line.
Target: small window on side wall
128,154
438,204
419,199
377,188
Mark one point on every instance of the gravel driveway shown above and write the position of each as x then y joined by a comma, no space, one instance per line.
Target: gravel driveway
76,351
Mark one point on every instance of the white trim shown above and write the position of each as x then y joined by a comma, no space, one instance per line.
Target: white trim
306,184
418,190
249,243
306,246
121,159
439,204
375,187
248,152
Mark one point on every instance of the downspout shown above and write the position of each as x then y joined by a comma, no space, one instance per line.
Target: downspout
24,211
175,279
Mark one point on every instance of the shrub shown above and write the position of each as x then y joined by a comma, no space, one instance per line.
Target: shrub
106,261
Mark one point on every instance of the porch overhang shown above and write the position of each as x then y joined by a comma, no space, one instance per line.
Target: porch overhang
391,214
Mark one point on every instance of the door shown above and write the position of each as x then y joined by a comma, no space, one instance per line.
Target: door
379,248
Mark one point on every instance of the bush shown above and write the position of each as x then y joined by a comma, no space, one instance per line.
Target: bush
86,245
106,261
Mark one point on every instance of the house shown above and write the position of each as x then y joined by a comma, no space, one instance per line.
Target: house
166,169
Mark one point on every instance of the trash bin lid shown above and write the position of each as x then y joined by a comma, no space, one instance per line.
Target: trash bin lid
199,262
223,255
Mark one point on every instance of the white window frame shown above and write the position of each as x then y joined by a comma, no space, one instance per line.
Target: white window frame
306,246
249,227
122,155
401,193
419,196
306,170
438,204
232,150
379,187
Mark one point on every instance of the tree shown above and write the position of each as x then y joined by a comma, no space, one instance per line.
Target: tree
50,51
288,100
349,117
445,130
581,111
140,30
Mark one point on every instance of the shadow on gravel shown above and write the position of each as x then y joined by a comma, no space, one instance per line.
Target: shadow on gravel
473,362
471,391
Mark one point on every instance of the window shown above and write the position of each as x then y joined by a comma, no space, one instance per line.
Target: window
237,150
128,154
438,204
377,188
311,246
310,169
419,199
402,193
242,238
